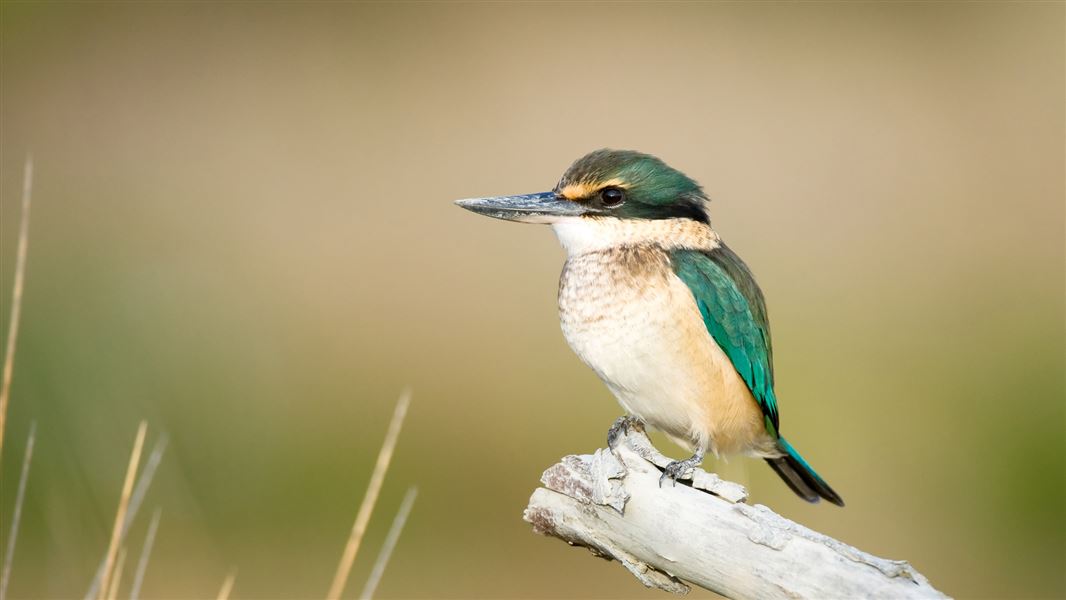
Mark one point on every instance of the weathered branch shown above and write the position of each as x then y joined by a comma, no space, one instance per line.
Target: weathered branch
702,532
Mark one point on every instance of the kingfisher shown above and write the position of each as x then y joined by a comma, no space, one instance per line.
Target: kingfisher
667,315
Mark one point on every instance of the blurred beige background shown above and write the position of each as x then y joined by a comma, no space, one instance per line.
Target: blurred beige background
243,232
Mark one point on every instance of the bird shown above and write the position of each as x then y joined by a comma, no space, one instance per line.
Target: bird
663,311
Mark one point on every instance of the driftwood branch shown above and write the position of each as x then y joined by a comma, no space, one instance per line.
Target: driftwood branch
701,531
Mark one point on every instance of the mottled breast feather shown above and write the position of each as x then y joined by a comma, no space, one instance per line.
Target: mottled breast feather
672,321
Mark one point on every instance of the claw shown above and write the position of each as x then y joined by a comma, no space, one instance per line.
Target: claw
678,469
666,476
621,427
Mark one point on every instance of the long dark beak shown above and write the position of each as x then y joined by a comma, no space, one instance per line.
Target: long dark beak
545,207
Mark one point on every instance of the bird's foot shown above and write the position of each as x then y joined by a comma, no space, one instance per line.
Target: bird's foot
679,469
622,427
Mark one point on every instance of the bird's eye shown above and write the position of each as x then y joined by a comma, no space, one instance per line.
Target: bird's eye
612,197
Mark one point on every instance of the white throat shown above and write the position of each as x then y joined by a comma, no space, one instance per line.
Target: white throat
582,235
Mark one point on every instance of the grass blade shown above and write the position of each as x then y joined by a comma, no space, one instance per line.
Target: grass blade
146,552
227,585
116,579
16,516
123,505
362,518
16,294
139,491
389,545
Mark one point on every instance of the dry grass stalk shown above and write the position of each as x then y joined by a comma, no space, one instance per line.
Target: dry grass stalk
143,482
16,294
389,545
139,491
227,585
116,579
123,505
146,552
370,499
16,516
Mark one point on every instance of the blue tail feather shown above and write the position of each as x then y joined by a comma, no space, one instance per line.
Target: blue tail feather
800,477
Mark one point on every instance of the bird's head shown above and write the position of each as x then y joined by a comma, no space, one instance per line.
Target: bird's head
620,184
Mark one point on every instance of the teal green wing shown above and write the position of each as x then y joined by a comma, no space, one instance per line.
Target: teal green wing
734,312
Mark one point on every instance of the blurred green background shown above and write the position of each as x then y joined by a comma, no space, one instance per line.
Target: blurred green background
243,232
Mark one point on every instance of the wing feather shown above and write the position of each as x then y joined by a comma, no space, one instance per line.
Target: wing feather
734,312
